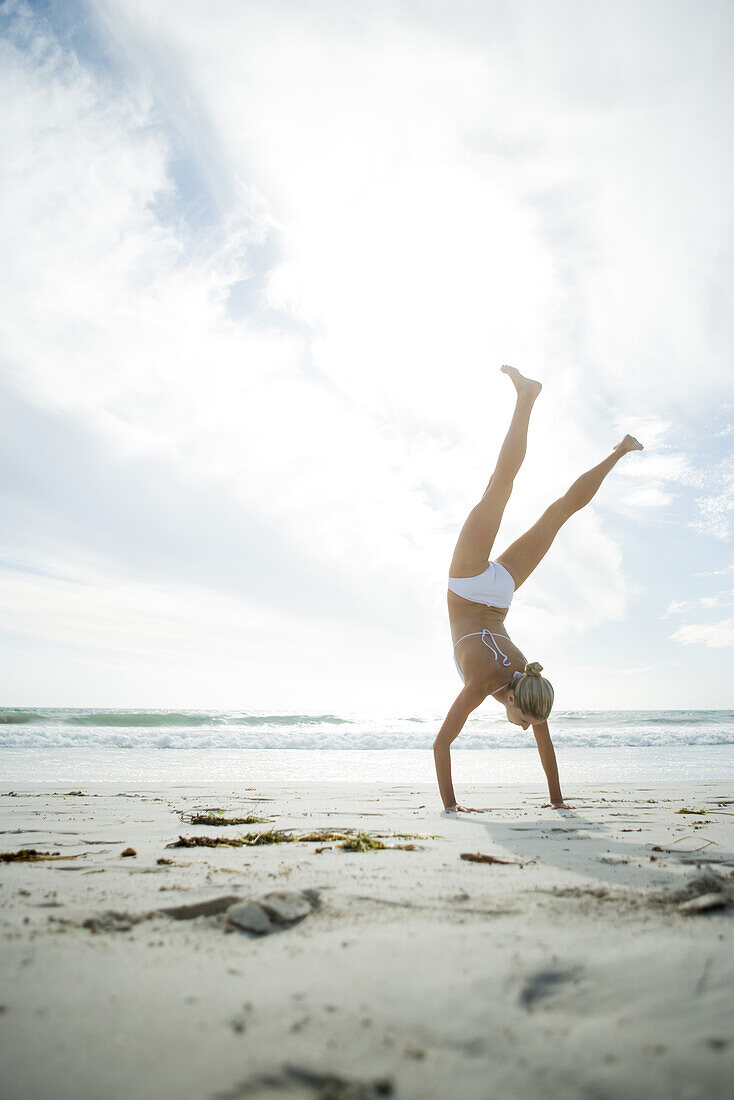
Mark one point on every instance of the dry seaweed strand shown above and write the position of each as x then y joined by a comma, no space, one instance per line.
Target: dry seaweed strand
48,794
683,851
480,857
705,813
30,855
217,817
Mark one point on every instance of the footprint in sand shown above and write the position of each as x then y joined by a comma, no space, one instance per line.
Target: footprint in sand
545,982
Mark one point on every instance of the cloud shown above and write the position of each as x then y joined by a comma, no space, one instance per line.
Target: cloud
649,496
664,466
716,511
715,635
720,599
177,643
262,261
332,424
715,572
119,320
678,607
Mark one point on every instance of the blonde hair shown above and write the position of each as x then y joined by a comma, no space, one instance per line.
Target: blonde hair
533,693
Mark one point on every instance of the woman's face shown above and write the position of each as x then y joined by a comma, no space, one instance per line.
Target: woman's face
514,714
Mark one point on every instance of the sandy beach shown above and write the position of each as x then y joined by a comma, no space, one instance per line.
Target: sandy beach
594,961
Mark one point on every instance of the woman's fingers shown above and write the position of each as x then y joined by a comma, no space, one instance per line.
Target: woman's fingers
464,810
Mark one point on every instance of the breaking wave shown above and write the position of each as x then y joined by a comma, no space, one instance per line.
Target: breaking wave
194,729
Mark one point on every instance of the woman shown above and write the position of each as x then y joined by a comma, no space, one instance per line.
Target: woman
480,593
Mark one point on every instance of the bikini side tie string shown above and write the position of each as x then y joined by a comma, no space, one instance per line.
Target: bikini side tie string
493,645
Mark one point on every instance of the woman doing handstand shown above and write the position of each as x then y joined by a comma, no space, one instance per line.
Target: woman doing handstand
481,591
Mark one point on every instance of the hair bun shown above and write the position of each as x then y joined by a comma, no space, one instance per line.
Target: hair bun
533,669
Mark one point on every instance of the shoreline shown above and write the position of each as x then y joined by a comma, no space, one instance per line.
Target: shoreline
494,766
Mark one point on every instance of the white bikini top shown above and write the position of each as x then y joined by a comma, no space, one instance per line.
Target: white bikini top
496,651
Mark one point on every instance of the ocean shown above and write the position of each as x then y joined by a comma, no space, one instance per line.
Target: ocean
85,745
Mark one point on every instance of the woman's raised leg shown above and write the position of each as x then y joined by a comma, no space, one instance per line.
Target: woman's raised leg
477,536
521,558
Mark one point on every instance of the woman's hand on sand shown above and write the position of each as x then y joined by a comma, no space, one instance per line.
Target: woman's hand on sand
462,809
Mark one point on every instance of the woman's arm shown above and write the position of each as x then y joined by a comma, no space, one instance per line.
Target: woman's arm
467,701
550,767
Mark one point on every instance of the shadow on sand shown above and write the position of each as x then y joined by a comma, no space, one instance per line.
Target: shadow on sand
588,848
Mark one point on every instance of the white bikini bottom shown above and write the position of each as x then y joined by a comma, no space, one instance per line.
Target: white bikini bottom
494,587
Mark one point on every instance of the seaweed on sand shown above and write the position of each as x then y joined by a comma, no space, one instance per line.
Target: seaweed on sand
349,840
47,794
30,855
360,842
703,813
217,817
302,1081
364,842
223,841
480,857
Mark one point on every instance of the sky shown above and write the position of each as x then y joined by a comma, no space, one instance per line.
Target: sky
261,264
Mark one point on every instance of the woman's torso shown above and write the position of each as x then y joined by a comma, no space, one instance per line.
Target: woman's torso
496,658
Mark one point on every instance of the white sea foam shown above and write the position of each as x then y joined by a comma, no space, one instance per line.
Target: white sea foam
58,728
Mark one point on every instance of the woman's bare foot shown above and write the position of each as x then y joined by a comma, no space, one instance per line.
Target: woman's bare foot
523,385
629,443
